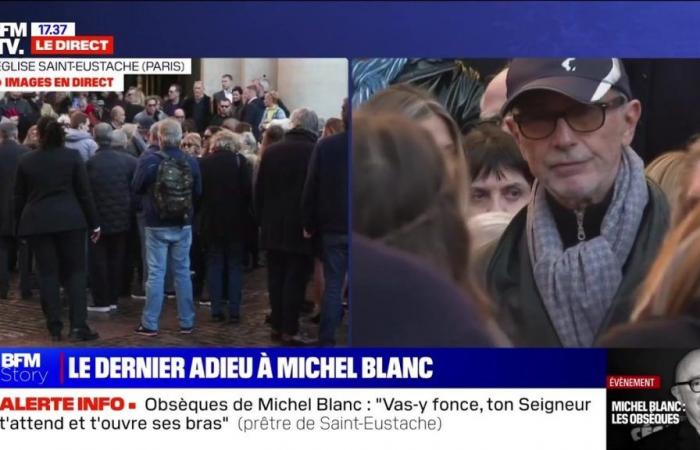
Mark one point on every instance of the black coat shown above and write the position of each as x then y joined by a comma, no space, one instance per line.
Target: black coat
10,152
199,112
110,172
278,191
681,436
52,193
252,114
325,201
226,196
398,301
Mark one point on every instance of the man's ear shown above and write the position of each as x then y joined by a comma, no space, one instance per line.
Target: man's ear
515,132
633,111
675,390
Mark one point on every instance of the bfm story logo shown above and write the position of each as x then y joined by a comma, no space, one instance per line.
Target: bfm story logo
22,368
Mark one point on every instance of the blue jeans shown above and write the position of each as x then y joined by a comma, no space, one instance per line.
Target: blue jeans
335,266
168,247
141,222
225,260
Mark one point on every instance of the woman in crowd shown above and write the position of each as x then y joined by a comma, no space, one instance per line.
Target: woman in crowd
272,109
192,143
225,203
418,105
237,103
54,207
32,139
419,211
666,170
667,310
501,179
689,195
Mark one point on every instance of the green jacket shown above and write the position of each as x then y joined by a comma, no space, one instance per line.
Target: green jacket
519,308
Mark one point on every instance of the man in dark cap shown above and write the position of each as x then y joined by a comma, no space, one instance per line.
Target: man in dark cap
566,267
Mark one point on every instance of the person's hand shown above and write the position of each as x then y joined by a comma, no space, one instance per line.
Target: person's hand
95,236
307,235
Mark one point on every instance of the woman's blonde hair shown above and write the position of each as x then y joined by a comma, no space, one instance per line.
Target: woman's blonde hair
673,281
402,195
418,104
666,171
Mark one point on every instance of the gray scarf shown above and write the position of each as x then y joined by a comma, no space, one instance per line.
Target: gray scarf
578,284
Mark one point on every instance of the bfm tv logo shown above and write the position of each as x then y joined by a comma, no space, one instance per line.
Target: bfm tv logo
51,39
22,368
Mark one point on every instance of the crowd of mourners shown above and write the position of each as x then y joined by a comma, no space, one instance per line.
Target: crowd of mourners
538,226
106,195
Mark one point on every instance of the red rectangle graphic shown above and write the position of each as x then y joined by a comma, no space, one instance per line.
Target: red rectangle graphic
638,382
72,45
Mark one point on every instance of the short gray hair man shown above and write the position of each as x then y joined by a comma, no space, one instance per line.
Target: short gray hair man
170,133
119,140
8,131
103,134
304,118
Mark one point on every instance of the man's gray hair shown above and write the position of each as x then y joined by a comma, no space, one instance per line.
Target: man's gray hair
103,134
304,118
227,140
119,139
170,133
153,133
8,130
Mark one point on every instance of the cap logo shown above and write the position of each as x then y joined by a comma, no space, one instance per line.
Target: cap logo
568,64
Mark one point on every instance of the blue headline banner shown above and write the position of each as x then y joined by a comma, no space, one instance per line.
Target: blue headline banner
303,368
379,29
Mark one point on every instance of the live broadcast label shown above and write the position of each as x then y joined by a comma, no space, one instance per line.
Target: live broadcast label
410,418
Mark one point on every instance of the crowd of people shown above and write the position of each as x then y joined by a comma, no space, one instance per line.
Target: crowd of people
116,194
540,223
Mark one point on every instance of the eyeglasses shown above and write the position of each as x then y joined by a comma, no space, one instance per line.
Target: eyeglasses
693,384
583,118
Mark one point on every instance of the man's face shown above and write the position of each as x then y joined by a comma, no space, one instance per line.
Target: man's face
120,115
577,168
151,106
225,83
179,115
224,107
198,90
689,369
173,93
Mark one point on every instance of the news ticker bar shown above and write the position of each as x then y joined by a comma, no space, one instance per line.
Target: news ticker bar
297,368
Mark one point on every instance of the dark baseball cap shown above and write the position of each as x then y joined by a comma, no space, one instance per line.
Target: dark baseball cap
584,80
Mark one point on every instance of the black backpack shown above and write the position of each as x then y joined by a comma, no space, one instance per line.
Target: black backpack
173,188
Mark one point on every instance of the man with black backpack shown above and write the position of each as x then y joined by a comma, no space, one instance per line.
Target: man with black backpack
170,182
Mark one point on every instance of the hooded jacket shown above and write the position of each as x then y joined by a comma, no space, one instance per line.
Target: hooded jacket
81,141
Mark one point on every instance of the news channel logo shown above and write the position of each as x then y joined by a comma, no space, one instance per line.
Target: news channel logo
20,368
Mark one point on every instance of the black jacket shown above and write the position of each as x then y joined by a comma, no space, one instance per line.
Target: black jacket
397,301
10,152
325,200
52,193
110,172
675,437
252,114
520,308
226,196
199,112
278,191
